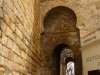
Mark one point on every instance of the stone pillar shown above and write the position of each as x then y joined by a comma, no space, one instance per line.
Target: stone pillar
62,65
63,69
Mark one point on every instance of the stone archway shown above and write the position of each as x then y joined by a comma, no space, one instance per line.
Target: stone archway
60,27
66,56
58,57
70,68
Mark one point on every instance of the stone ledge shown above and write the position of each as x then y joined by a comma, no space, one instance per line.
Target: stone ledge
91,38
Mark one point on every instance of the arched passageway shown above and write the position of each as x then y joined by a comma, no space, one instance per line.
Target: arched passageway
57,59
70,70
60,33
70,66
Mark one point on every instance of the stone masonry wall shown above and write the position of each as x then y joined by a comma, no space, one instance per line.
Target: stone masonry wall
87,12
19,37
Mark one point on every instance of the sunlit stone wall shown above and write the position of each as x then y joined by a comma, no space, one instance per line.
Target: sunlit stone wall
19,37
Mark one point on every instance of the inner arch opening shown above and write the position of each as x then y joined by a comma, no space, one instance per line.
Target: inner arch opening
56,58
70,70
60,31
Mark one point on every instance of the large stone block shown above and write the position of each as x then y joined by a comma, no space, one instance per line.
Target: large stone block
19,20
4,39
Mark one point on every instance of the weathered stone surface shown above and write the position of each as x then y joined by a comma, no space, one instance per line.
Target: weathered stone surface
60,32
18,22
84,10
22,21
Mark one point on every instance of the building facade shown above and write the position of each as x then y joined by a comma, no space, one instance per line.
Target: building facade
39,37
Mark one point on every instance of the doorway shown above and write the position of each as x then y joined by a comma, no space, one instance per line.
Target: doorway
60,32
94,72
70,70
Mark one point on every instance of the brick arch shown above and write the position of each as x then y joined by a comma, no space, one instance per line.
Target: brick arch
56,11
69,59
56,58
58,35
57,7
66,55
46,6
